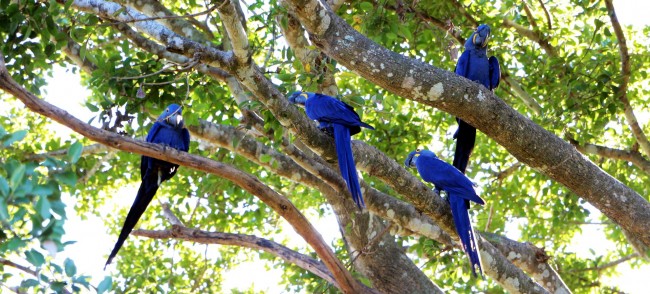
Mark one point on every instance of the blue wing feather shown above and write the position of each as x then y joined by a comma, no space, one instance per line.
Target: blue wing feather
461,65
495,72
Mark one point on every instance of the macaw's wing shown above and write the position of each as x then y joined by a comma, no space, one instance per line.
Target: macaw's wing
462,64
153,131
495,72
185,138
465,138
331,110
448,178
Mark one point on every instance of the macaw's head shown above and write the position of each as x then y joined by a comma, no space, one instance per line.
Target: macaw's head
479,37
298,97
412,159
172,116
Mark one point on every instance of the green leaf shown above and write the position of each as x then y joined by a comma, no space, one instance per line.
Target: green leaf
105,285
43,207
264,158
29,283
67,178
4,187
17,176
74,152
34,257
70,268
366,6
4,211
15,137
92,107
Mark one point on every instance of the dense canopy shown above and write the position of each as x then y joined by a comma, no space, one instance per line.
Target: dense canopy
562,144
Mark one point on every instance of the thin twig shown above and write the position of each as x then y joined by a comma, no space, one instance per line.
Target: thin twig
638,133
549,23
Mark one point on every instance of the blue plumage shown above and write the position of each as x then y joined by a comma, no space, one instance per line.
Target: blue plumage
340,119
459,190
474,65
167,130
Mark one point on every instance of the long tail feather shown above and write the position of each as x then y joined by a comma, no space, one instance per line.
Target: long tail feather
147,190
465,232
346,163
465,139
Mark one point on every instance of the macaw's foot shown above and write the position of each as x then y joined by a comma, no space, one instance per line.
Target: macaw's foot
443,195
327,130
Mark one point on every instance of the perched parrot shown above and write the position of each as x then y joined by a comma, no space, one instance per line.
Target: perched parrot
474,64
459,190
167,130
339,119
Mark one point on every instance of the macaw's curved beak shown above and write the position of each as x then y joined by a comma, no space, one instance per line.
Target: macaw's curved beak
175,120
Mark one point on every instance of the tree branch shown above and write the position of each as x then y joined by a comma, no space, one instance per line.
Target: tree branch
549,23
621,92
27,270
179,231
627,155
277,202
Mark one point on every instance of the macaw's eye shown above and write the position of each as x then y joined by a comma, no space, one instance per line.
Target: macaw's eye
167,110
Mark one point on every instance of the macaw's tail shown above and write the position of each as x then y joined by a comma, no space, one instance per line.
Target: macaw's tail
147,190
346,162
459,209
465,138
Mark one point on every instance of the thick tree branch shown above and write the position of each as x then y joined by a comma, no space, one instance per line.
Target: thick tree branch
232,21
621,92
528,142
181,25
162,52
532,259
277,202
174,42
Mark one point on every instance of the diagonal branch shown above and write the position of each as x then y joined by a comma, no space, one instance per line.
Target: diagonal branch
625,79
632,156
179,231
248,241
27,270
277,202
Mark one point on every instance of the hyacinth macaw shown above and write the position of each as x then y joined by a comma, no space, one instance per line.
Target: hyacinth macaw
460,192
474,64
337,118
167,130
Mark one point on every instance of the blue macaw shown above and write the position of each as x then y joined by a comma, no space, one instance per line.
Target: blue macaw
474,64
167,130
460,192
335,116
